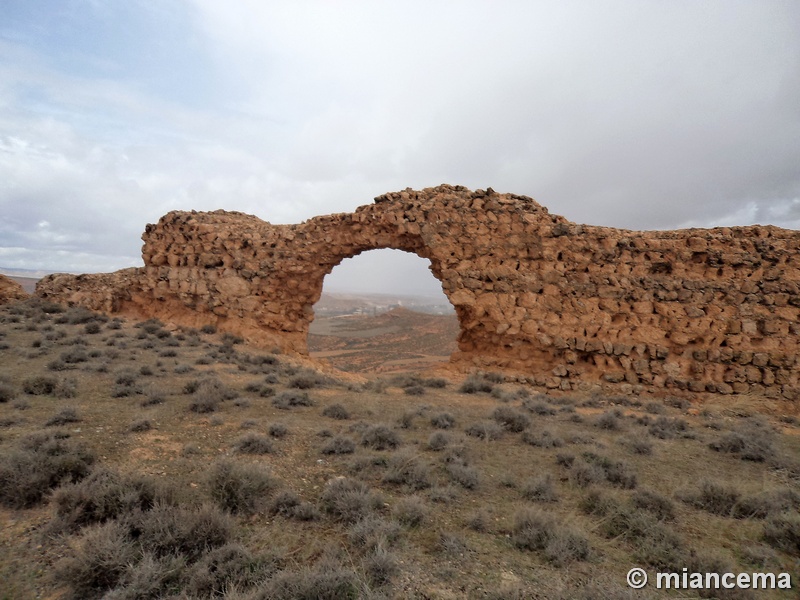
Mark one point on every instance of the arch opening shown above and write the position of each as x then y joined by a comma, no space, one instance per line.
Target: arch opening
383,311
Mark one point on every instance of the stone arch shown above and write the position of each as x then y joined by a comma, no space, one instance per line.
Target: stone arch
563,305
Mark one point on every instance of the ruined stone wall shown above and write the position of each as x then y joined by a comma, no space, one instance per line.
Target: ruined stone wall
569,306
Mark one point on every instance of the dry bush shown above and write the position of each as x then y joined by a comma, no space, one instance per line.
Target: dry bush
485,430
326,579
753,441
666,428
278,430
443,420
410,511
349,500
408,468
232,566
7,391
65,416
610,420
336,411
438,441
542,439
99,559
711,496
782,532
540,489
475,384
39,385
339,445
105,495
373,531
380,437
140,425
616,472
462,474
253,443
240,488
539,531
40,463
290,399
167,530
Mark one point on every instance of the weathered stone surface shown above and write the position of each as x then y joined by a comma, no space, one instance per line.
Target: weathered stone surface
533,292
10,290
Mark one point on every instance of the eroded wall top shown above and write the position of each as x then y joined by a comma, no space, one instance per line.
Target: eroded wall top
570,306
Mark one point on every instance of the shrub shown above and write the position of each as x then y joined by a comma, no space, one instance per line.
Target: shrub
63,417
713,497
208,329
414,390
615,471
100,557
228,567
610,420
538,407
380,565
41,462
339,445
753,442
303,382
485,430
102,496
464,475
511,419
169,530
253,443
328,578
373,531
764,504
207,394
443,420
539,531
542,439
540,489
40,385
336,411
782,532
66,388
665,428
140,425
7,391
278,430
661,507
638,444
240,488
475,384
438,441
410,511
380,437
289,399
349,500
407,468
92,328
584,474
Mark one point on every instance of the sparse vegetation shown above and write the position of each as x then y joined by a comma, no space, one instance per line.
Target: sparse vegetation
367,491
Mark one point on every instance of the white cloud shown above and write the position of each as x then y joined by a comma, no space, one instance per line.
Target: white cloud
630,114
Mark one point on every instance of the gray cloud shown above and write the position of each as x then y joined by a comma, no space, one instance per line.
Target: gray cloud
640,115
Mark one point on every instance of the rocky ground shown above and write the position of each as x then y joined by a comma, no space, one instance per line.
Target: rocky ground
142,461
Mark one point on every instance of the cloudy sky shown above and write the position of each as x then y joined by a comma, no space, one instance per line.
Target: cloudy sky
636,114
